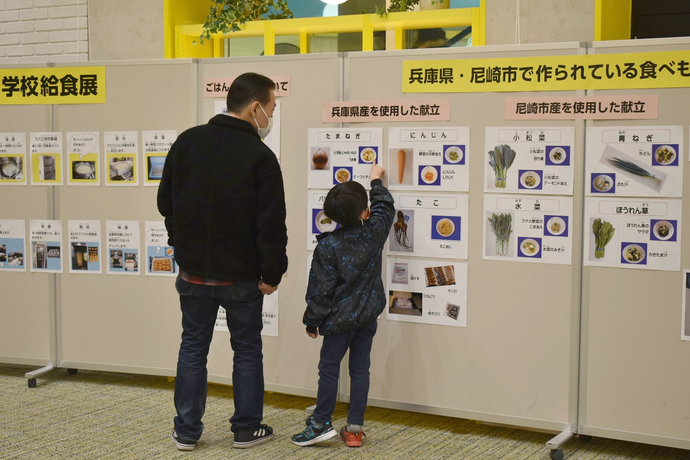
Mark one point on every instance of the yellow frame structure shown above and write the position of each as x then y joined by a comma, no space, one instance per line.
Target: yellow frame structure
366,24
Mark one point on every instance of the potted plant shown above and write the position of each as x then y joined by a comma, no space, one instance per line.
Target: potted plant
227,16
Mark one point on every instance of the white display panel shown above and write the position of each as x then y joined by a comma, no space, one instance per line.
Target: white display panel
427,291
634,161
528,229
429,225
646,233
339,155
429,159
542,161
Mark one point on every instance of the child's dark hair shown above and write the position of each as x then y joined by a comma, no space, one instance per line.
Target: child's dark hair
345,202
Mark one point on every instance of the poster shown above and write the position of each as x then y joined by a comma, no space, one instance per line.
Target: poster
338,155
429,226
156,147
83,158
318,222
269,314
529,160
46,158
634,161
429,159
273,138
528,229
160,258
634,233
123,247
85,246
121,158
12,245
46,246
427,291
13,160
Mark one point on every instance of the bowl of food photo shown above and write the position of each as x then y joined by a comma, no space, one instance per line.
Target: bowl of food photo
429,175
602,182
445,227
633,253
663,230
342,175
665,155
530,179
453,154
529,247
324,223
555,225
557,155
368,155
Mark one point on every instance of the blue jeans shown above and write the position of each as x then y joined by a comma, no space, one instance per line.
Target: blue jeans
332,352
243,303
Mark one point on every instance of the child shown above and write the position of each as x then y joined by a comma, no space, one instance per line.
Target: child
344,297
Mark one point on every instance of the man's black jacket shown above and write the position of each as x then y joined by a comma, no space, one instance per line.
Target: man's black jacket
223,201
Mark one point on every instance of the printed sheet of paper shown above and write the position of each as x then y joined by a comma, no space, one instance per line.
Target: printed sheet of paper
634,161
83,158
121,166
46,246
14,167
537,161
429,225
123,255
46,158
85,246
269,313
427,291
338,155
156,147
429,159
518,228
12,245
160,258
636,233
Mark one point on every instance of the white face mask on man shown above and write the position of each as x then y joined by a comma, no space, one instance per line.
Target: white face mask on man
263,132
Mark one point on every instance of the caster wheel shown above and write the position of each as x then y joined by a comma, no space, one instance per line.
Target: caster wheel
32,383
72,371
585,438
557,454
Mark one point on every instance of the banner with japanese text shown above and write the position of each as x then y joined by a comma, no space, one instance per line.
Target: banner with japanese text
667,69
53,85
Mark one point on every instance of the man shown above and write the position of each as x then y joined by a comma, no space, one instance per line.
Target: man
224,206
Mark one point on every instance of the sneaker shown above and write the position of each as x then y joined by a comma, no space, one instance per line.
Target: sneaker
351,439
312,435
245,439
182,444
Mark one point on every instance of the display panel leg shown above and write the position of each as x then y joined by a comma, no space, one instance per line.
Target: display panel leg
31,376
556,442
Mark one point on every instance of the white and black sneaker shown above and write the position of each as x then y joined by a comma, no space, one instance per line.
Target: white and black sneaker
253,437
182,444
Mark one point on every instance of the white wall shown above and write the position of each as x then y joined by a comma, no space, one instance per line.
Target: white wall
34,31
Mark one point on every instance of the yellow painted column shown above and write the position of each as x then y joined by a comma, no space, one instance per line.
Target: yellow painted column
269,39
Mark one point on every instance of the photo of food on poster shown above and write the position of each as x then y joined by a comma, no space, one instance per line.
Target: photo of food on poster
429,159
269,314
156,147
46,246
123,247
121,158
85,246
12,245
518,228
83,158
429,225
160,258
273,138
46,158
634,161
633,233
427,291
318,222
529,160
339,155
13,159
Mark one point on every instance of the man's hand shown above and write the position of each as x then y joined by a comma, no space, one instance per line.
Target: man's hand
267,289
313,335
376,171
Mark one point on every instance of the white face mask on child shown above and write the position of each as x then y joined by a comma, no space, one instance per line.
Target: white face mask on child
263,132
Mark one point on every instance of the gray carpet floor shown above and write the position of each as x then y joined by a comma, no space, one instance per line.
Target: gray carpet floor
94,415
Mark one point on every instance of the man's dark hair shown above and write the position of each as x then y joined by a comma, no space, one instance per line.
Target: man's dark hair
247,88
345,202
